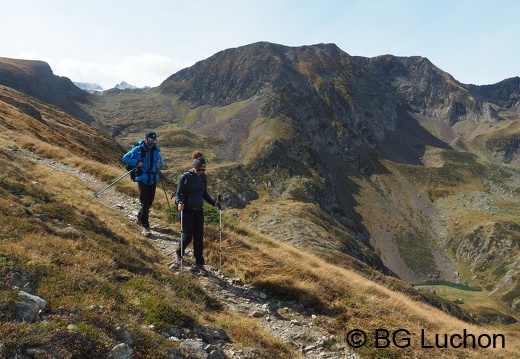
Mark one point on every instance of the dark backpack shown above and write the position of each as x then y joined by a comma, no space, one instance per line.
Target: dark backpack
135,170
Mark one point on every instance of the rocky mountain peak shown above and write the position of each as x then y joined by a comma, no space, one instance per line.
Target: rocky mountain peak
506,93
125,86
89,86
335,99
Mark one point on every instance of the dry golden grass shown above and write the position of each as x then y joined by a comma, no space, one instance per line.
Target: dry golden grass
87,255
351,300
25,120
250,335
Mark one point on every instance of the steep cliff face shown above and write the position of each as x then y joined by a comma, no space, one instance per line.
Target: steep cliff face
503,142
491,251
309,85
506,148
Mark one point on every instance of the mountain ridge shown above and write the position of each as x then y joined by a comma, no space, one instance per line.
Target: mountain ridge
196,87
35,78
397,108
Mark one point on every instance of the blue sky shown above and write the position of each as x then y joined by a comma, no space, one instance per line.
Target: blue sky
144,42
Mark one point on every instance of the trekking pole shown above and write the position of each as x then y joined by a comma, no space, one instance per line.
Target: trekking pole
110,185
174,185
181,245
164,189
220,231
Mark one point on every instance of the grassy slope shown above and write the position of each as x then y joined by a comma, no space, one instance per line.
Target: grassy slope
87,256
102,262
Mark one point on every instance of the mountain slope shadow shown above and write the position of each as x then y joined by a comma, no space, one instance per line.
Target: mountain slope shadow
407,143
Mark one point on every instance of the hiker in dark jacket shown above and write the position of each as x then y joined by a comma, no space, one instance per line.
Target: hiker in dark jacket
191,193
146,156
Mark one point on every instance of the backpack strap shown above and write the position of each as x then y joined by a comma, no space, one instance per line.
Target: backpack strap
184,195
143,153
186,176
205,179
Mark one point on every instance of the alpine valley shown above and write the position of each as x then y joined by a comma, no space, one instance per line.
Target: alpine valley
384,167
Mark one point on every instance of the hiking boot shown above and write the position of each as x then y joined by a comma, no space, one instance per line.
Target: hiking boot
146,232
177,263
199,268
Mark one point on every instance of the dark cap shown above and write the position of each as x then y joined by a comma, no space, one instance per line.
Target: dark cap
151,135
199,162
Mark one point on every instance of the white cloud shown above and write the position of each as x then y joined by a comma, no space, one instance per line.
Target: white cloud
148,69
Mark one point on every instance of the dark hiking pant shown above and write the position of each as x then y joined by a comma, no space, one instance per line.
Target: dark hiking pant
146,196
192,227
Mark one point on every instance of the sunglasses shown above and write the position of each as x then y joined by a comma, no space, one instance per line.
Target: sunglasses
200,169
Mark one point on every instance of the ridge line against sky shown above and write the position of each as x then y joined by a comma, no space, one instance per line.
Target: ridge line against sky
144,42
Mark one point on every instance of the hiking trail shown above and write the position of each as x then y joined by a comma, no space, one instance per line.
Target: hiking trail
286,320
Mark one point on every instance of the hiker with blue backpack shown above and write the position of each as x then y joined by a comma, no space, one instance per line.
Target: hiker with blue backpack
190,196
146,158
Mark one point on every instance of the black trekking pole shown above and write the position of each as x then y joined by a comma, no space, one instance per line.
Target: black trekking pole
167,200
110,185
220,231
175,186
180,243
